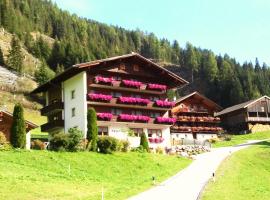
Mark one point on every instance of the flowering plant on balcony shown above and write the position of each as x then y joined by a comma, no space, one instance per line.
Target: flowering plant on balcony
156,140
166,120
100,97
105,116
154,86
131,83
142,118
134,100
167,104
127,117
100,79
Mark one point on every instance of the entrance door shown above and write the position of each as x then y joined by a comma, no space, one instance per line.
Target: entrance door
194,135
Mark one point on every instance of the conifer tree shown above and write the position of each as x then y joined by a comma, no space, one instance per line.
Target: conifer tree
18,133
44,73
92,130
144,142
2,61
15,57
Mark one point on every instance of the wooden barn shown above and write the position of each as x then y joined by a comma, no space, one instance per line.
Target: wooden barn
250,116
195,119
6,119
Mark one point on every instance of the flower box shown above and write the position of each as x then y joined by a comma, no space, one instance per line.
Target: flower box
104,116
100,97
160,87
156,140
106,80
131,83
143,118
133,100
165,104
127,117
165,120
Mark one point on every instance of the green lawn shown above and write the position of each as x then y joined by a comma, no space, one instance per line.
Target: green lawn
40,175
239,139
243,176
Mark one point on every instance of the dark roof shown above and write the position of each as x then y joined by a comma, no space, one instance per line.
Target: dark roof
26,121
240,106
197,94
77,68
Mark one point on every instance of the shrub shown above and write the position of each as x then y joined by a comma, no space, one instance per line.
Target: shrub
139,149
125,146
160,150
75,137
59,142
37,144
92,130
107,144
18,135
228,138
144,142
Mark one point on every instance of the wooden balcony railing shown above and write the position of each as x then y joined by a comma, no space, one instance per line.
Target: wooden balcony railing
52,125
52,108
258,119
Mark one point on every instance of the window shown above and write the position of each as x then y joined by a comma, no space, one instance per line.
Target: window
116,94
73,94
136,68
73,112
154,132
154,114
137,131
103,130
116,111
136,112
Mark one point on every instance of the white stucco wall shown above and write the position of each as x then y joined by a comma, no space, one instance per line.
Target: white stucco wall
179,136
201,136
77,83
28,140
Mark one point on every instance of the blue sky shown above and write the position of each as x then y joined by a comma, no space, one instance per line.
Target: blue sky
240,28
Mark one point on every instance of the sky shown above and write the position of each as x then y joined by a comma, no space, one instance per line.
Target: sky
240,28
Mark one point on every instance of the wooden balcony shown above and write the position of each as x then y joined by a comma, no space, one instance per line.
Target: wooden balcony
115,104
118,87
258,119
53,125
52,108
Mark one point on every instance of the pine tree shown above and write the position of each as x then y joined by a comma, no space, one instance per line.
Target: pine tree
2,61
15,57
59,69
92,130
18,133
144,142
44,73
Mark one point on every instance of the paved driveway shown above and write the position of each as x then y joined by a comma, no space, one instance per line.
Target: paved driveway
188,183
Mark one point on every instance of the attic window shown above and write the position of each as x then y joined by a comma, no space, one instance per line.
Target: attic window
136,68
122,67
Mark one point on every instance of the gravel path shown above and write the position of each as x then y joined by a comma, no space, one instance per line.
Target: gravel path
188,183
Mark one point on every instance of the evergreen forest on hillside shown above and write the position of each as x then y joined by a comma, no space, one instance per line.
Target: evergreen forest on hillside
219,77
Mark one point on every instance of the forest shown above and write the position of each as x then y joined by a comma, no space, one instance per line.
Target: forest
219,77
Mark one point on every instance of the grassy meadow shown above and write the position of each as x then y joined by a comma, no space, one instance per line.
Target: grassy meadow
40,175
244,175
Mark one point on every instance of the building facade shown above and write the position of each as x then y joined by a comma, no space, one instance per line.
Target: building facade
128,93
250,116
6,120
194,114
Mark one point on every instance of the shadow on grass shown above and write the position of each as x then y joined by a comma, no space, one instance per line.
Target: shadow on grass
266,144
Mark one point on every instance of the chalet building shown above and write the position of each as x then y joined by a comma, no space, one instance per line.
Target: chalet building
128,93
6,120
194,114
250,116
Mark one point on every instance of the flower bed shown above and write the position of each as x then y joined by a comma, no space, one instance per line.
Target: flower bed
127,117
160,87
156,140
100,97
106,80
105,116
134,100
131,83
166,104
165,120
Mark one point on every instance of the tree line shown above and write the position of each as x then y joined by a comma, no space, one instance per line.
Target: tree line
219,77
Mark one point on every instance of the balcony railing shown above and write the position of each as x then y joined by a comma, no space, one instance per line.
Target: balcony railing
196,129
52,125
52,108
258,119
198,119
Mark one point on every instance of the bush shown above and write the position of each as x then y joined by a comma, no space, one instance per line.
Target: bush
107,144
144,142
67,142
92,130
228,138
139,149
160,150
37,145
125,146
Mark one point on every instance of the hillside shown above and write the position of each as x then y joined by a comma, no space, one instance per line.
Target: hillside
68,39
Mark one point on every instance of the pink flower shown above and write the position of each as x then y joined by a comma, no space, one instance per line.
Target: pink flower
157,87
100,97
127,117
131,83
100,79
105,116
167,104
134,100
166,120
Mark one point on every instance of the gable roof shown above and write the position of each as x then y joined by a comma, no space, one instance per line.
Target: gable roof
77,68
240,106
30,124
198,95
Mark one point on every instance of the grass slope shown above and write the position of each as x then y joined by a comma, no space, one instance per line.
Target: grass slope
244,175
239,139
44,175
